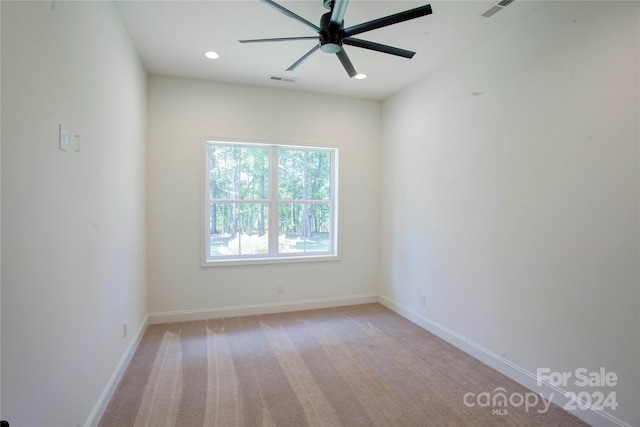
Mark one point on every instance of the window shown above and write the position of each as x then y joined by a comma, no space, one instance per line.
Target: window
269,202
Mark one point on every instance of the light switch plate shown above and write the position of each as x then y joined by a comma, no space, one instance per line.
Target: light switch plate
63,138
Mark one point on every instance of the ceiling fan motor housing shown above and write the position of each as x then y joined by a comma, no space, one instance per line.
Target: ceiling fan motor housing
330,38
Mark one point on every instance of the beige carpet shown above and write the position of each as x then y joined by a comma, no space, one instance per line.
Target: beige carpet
349,366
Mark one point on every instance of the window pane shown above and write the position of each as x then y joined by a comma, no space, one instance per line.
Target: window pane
238,172
304,227
238,229
304,175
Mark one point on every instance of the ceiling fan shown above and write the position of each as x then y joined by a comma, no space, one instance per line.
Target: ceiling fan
332,35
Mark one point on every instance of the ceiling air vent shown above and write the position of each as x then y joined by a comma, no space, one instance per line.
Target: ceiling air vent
283,79
497,8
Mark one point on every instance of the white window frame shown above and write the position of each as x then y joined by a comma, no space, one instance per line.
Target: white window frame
273,204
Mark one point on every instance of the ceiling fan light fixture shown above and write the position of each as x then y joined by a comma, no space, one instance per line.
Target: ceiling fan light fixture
211,54
360,76
331,48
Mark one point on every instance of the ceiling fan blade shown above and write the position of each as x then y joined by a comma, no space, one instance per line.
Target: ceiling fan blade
337,13
304,58
290,14
280,39
388,20
346,63
378,47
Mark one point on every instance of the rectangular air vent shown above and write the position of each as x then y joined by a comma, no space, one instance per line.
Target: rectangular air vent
283,79
497,8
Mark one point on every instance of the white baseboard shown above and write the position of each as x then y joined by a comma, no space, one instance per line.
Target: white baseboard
248,310
517,373
112,385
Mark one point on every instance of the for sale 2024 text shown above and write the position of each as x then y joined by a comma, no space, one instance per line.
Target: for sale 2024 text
582,377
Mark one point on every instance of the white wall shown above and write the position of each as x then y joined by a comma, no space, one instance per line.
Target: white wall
73,223
510,195
180,113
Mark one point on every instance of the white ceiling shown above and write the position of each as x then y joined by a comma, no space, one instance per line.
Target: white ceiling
172,36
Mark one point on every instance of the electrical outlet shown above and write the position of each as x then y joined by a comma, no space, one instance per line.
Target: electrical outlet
124,330
280,288
423,299
63,138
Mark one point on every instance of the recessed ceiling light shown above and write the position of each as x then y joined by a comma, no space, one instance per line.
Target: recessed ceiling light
360,76
211,55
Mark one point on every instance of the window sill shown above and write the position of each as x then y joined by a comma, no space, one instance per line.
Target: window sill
270,260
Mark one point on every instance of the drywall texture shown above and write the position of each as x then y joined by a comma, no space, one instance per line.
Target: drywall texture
510,195
181,113
73,223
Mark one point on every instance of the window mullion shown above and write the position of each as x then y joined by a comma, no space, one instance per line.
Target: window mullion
333,203
273,201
